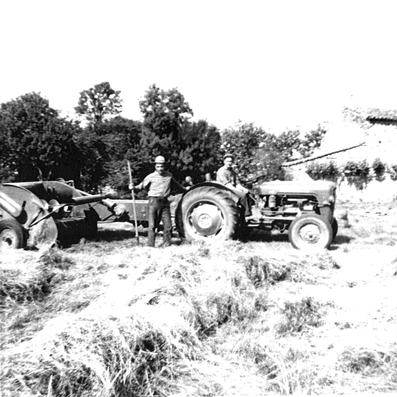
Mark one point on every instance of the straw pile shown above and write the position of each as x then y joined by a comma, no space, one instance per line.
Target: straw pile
151,312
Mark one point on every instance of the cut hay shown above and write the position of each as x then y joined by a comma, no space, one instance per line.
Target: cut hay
152,313
121,354
197,320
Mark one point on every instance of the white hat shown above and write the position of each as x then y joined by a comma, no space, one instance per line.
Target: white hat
159,160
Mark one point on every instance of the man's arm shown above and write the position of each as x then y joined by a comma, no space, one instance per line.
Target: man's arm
222,176
238,185
241,187
143,185
177,185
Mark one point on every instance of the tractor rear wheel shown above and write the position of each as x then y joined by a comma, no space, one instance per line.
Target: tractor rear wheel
11,234
208,214
310,233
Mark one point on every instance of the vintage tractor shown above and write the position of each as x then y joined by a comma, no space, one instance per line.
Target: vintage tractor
303,209
33,214
210,211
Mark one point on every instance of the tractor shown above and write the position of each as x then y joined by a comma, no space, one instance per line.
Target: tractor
210,211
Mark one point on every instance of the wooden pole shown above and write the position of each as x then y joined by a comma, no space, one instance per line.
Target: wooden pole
133,202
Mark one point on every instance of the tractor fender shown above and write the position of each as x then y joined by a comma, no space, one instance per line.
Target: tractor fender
213,184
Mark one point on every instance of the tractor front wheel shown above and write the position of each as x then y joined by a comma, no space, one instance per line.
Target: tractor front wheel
11,234
310,233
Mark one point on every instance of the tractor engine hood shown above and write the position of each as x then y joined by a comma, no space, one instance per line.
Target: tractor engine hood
321,189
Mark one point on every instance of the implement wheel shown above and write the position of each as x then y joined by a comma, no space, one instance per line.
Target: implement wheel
11,234
310,233
209,214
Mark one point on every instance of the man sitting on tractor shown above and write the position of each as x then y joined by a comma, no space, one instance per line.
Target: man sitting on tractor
228,177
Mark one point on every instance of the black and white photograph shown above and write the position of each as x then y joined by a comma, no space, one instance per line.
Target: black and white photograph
198,198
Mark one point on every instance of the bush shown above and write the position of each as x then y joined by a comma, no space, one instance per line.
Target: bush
392,170
357,173
327,171
379,169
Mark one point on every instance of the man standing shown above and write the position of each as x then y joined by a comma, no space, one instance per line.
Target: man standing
228,177
159,184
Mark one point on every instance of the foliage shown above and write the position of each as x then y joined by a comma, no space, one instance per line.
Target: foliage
359,168
35,142
323,170
98,103
311,141
379,168
94,156
259,155
357,173
242,142
273,152
392,169
122,141
164,112
200,152
191,148
103,149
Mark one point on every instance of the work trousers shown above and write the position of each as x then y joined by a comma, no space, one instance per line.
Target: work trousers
159,210
243,200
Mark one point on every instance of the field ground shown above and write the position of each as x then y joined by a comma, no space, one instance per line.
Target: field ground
256,318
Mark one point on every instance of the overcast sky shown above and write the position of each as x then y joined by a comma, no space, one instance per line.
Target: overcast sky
277,64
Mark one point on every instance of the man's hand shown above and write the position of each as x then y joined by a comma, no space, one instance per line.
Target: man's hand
131,187
119,210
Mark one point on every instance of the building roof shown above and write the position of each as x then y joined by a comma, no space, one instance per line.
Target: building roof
381,114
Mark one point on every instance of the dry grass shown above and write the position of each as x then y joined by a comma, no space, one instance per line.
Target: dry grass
109,318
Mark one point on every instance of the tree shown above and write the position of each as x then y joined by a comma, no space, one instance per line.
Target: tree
311,141
98,103
275,150
122,137
243,141
164,112
268,159
104,149
35,142
201,150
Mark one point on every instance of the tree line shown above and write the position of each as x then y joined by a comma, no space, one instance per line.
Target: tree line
38,144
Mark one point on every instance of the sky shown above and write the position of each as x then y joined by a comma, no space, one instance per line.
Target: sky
277,64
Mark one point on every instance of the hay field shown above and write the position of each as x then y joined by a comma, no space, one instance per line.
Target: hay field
256,318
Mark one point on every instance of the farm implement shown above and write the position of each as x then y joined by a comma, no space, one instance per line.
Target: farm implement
34,214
